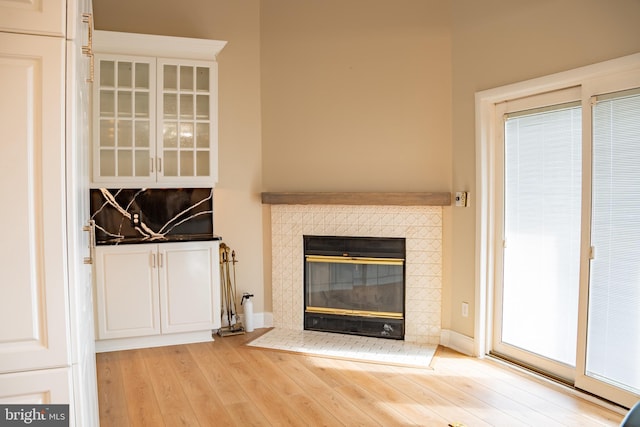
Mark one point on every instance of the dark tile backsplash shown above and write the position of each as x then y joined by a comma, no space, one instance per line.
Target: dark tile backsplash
152,215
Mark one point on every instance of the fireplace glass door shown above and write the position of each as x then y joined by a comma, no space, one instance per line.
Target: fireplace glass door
350,293
355,286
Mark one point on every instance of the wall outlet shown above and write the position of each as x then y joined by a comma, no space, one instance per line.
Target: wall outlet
465,309
135,219
461,198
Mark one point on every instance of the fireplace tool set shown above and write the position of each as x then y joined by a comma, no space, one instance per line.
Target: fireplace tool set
228,283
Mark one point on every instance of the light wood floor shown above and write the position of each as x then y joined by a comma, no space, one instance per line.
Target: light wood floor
226,383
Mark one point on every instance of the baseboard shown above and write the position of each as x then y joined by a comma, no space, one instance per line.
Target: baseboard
153,341
457,341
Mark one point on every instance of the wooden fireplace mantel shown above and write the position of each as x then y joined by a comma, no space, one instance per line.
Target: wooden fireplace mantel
357,198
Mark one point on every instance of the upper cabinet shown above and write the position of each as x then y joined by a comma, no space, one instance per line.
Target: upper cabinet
43,17
155,111
124,122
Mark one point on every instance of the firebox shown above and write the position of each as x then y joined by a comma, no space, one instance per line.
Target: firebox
355,285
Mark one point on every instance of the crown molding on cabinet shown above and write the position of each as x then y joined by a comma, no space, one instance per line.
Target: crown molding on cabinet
156,45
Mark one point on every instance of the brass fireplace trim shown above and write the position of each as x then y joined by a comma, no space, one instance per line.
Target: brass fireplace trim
360,313
346,259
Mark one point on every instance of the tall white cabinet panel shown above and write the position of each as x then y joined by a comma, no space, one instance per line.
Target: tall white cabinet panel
33,294
81,317
127,291
36,387
84,401
46,17
189,286
47,352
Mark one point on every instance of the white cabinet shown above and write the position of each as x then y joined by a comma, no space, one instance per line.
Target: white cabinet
157,294
80,292
127,297
38,387
155,111
32,278
44,17
189,287
124,98
185,124
45,295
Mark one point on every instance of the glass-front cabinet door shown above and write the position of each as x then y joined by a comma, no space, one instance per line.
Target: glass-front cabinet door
124,119
155,121
186,120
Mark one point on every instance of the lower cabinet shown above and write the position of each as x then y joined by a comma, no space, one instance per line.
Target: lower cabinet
156,294
37,387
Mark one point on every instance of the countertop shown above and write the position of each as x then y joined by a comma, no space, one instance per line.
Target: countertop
165,239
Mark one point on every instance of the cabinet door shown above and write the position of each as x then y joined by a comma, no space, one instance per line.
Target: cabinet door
187,121
124,120
46,17
127,291
36,387
33,303
189,286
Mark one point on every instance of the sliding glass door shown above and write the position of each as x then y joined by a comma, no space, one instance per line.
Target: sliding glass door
612,363
537,308
567,282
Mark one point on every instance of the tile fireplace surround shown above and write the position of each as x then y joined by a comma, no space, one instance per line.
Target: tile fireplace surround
421,226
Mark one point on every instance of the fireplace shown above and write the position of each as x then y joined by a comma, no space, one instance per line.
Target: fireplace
420,226
355,285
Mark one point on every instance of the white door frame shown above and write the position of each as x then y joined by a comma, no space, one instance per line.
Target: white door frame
486,177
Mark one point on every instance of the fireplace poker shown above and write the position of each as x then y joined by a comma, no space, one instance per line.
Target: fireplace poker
233,263
234,327
223,307
227,284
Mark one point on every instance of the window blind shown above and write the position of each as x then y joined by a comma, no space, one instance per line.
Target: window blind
613,340
542,230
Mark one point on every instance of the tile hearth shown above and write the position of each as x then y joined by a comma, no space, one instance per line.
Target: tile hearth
366,349
421,226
